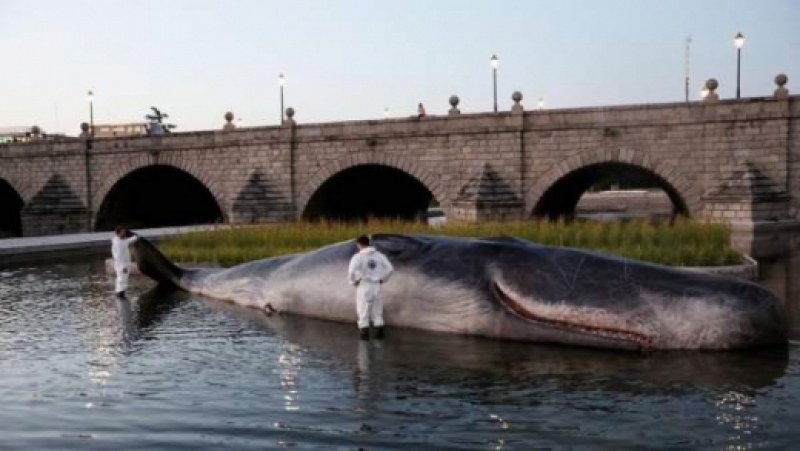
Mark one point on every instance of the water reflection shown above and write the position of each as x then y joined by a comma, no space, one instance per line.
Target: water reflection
415,365
168,370
736,415
289,364
571,368
150,307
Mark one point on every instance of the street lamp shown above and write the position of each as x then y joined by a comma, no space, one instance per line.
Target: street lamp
738,41
281,82
541,103
495,61
90,97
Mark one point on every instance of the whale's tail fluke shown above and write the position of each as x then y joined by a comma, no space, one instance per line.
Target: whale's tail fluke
154,264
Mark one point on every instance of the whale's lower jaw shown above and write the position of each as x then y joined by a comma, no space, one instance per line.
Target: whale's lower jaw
652,321
517,308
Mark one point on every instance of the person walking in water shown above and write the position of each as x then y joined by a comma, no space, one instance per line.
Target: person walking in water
122,258
368,270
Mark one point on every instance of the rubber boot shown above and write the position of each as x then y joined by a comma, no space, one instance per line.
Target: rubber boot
379,332
364,333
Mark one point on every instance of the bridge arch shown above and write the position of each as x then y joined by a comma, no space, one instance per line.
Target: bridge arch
21,184
10,210
157,195
559,189
143,160
402,185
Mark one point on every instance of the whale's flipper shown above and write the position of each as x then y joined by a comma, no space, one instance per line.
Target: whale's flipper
154,264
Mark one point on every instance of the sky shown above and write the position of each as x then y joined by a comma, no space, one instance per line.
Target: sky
352,59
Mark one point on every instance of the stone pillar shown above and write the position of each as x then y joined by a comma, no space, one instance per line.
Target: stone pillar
84,130
781,92
289,121
517,107
55,209
229,125
749,195
454,111
486,196
711,86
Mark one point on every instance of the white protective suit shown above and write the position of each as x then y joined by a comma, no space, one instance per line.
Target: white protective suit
368,269
122,261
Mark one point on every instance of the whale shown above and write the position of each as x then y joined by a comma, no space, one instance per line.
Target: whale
503,288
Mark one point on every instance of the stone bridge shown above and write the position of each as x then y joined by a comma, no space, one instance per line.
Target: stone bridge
732,160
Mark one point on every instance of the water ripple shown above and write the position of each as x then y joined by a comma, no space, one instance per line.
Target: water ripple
83,370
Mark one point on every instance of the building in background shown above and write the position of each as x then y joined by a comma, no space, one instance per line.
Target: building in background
19,134
23,134
114,130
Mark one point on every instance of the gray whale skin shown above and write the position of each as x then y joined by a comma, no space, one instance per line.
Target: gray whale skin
503,288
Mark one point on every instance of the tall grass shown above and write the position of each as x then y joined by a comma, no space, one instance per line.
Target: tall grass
683,243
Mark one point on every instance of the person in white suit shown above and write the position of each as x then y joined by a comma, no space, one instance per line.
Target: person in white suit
369,269
122,258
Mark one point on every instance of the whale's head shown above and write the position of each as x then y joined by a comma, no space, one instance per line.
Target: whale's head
510,288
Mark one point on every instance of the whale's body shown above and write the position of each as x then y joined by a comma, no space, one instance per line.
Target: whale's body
504,288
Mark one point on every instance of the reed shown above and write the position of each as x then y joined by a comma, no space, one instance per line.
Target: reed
682,243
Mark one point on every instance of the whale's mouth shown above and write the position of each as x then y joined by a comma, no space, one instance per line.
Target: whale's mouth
561,320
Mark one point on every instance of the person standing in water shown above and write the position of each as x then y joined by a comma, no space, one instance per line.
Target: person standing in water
368,270
122,258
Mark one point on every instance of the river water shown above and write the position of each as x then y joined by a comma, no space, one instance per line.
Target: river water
80,369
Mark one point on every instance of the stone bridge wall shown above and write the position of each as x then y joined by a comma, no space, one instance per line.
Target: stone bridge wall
735,160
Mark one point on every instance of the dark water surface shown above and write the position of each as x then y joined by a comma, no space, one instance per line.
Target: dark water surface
82,370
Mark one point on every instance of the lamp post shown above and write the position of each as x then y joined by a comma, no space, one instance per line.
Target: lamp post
90,97
738,41
495,61
281,82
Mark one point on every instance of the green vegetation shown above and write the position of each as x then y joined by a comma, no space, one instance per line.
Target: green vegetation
684,243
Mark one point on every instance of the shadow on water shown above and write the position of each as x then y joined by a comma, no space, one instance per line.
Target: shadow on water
518,363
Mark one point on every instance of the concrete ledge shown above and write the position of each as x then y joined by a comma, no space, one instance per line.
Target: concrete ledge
13,250
747,270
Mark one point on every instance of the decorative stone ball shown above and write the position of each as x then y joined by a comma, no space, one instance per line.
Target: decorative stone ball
454,101
228,116
781,79
85,127
36,130
290,112
712,84
516,96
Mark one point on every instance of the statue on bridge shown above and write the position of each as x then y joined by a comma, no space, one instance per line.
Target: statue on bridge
155,122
